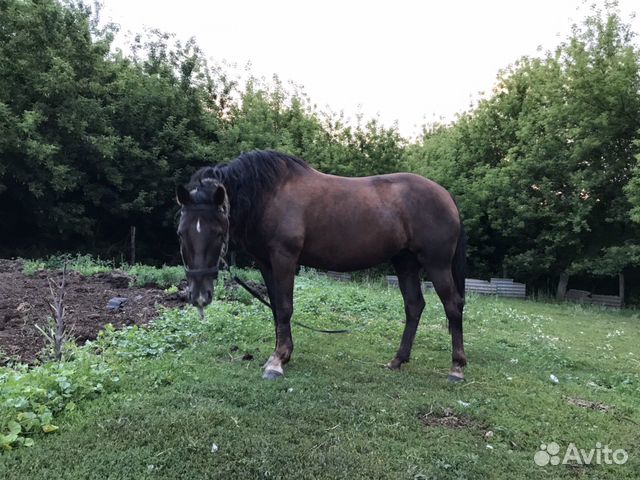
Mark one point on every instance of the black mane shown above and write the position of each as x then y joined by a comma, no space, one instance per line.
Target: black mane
248,179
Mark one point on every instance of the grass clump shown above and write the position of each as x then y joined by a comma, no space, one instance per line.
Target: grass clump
85,264
161,277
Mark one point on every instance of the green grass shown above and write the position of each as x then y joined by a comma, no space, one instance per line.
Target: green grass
142,275
164,277
84,264
339,413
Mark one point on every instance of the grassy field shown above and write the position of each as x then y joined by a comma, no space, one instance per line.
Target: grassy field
183,403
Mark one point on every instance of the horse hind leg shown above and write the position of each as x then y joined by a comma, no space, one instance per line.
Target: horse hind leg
408,270
453,306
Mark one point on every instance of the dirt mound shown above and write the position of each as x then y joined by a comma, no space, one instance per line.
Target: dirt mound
447,418
23,305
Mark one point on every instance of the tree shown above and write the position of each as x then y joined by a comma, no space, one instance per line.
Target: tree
541,167
51,117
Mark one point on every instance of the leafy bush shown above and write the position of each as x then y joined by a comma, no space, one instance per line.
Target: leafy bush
31,398
84,264
164,277
144,275
173,330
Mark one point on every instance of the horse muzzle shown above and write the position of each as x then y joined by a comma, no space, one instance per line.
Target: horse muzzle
201,285
200,296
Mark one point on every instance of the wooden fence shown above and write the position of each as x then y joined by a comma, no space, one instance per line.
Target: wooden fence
588,298
502,287
506,287
340,276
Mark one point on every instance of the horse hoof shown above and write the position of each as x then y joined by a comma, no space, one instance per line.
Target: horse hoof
272,375
455,378
393,365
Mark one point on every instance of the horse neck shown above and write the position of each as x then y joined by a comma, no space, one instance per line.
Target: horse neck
245,203
237,222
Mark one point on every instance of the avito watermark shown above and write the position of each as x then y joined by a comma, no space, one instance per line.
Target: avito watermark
550,454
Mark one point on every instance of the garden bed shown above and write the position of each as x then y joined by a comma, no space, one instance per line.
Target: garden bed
24,298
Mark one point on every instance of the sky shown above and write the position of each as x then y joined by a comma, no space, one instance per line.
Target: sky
406,61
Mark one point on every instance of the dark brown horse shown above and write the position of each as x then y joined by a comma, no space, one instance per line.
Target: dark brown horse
285,214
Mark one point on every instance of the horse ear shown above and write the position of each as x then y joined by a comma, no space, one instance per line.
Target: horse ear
183,197
219,195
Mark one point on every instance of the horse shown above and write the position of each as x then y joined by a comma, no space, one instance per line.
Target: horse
285,213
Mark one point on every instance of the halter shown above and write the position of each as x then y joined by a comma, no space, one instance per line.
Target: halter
213,271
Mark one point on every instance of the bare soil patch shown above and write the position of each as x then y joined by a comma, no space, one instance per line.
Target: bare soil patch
23,305
448,418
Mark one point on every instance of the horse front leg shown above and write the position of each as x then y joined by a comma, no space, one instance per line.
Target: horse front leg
280,285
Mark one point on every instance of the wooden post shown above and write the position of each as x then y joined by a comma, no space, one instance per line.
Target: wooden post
562,286
133,245
621,288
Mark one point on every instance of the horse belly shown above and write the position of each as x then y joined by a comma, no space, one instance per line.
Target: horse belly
347,248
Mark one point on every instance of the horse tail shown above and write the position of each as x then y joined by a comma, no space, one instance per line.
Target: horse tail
459,262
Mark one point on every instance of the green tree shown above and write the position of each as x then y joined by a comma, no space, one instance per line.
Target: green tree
541,167
51,116
94,141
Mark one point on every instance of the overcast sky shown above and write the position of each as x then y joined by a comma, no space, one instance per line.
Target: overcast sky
410,61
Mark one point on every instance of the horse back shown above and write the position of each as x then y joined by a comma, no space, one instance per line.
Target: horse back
347,223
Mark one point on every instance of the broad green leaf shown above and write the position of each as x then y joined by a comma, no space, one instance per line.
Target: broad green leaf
48,428
14,427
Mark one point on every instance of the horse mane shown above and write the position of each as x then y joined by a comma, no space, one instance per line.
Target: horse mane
248,179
